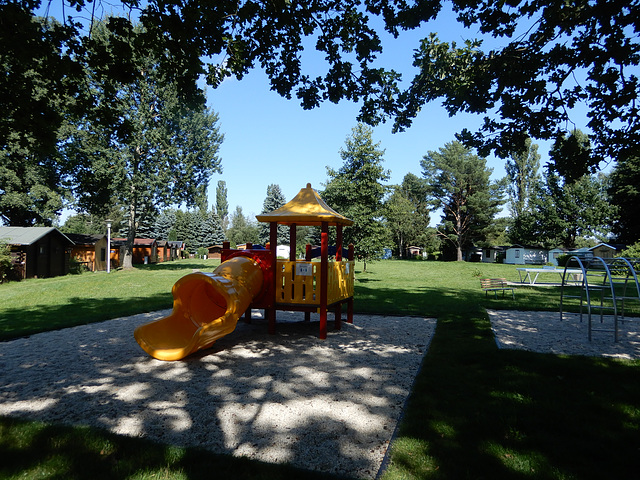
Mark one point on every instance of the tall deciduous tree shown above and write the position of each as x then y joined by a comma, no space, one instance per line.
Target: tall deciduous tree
222,204
40,85
522,177
356,191
459,184
156,152
624,194
407,213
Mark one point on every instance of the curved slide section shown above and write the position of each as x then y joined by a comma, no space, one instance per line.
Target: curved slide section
206,307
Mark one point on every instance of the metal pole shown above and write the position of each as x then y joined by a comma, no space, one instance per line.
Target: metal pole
108,246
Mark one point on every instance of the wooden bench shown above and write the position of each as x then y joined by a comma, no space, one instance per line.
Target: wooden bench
494,285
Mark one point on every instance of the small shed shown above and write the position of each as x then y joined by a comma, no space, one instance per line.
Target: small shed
493,254
522,255
90,250
215,252
603,250
554,253
164,251
39,252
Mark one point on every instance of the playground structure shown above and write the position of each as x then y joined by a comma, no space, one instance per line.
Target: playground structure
606,284
207,306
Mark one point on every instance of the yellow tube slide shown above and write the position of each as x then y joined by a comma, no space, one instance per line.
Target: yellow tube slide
206,307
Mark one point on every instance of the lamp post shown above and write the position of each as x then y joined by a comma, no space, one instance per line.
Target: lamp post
108,245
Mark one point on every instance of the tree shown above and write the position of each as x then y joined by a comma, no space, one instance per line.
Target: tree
522,175
459,184
522,182
156,152
40,86
222,204
543,58
274,199
243,229
407,214
164,224
355,190
565,212
624,195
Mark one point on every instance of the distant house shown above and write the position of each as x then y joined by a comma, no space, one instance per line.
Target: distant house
90,250
413,251
601,250
493,254
145,250
215,251
554,253
522,255
177,249
38,252
164,251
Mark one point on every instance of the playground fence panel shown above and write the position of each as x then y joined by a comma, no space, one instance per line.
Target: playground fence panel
298,282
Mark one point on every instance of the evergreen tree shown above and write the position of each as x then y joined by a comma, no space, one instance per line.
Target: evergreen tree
165,222
242,229
274,200
459,184
355,190
215,226
222,204
563,211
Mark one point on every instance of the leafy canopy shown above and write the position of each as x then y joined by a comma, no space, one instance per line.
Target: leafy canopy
542,59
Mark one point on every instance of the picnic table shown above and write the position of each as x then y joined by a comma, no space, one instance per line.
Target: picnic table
532,279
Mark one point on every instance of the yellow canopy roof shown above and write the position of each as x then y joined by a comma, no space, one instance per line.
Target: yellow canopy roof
306,208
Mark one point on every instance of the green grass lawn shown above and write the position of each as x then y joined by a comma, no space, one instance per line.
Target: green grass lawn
474,412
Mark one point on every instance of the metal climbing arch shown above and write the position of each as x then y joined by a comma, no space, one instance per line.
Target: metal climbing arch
606,284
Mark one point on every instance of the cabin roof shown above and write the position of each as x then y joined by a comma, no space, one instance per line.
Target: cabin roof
27,235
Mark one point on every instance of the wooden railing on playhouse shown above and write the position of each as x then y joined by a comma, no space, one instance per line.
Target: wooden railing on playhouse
298,282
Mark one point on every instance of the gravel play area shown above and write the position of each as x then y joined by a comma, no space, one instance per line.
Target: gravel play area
545,332
326,405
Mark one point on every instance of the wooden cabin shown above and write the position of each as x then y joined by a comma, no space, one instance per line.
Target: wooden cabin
38,252
91,250
145,250
215,251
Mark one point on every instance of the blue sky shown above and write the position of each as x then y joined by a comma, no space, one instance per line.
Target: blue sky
269,139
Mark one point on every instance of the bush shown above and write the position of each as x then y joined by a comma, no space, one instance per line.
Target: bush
563,259
632,251
77,267
6,266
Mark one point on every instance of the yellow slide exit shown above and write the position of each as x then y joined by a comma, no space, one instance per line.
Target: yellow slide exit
206,307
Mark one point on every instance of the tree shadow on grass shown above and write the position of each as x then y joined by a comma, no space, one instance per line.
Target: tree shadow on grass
22,322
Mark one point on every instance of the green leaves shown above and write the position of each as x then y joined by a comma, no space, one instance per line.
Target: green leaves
458,183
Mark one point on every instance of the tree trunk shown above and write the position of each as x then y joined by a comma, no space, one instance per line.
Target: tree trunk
127,261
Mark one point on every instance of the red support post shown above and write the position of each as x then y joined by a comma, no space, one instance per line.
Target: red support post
273,241
338,243
307,257
324,275
350,300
